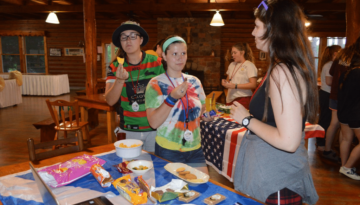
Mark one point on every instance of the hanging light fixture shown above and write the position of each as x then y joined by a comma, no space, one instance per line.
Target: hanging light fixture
52,18
217,20
307,24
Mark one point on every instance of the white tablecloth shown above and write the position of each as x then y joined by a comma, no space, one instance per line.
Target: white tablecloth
45,84
11,95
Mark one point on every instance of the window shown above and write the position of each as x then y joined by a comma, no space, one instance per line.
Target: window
25,54
10,54
315,42
341,41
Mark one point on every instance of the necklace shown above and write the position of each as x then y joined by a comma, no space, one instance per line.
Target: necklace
235,70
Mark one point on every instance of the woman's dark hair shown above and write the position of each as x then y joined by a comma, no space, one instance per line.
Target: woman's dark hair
248,55
347,53
355,64
284,22
327,56
165,52
159,43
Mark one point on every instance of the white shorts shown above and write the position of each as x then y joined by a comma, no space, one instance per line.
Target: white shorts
148,138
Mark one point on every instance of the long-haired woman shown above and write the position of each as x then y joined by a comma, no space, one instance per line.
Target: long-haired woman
241,75
326,61
349,114
272,161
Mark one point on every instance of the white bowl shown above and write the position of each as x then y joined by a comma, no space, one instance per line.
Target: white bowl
137,163
128,152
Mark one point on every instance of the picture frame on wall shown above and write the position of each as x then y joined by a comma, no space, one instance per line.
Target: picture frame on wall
73,51
55,52
262,56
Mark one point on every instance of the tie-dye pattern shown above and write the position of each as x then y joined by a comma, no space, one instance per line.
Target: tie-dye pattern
170,133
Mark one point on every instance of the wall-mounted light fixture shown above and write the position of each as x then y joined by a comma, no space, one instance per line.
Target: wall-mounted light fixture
217,20
52,18
307,24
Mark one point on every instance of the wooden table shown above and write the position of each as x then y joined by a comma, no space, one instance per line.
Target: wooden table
24,166
97,101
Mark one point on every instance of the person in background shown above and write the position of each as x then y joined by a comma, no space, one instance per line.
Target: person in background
174,103
241,75
272,165
324,93
349,114
340,65
157,50
126,83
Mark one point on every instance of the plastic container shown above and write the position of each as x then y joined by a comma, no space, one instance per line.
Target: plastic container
137,163
130,152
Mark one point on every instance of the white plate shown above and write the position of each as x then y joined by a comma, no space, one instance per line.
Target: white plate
201,176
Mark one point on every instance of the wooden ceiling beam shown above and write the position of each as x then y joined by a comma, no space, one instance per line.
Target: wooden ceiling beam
162,7
15,2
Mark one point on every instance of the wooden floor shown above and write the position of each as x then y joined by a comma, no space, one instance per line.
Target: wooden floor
16,127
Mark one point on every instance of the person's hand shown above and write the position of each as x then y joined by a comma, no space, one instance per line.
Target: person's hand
227,84
238,112
208,118
121,73
180,90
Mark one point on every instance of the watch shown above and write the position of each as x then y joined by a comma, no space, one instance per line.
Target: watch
246,121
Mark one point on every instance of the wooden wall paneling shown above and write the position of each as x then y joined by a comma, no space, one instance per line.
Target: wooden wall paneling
1,66
46,57
22,57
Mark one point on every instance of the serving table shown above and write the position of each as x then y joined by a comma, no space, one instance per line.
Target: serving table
97,101
17,185
11,95
221,139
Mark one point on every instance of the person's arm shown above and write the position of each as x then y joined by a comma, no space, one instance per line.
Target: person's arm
328,80
287,112
113,90
157,116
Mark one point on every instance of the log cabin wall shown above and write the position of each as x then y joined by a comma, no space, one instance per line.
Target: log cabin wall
202,40
68,34
236,31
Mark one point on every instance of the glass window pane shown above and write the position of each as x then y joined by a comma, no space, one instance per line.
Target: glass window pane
11,63
341,41
34,44
35,64
10,45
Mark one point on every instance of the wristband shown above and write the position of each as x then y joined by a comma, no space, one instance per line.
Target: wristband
172,99
169,103
235,86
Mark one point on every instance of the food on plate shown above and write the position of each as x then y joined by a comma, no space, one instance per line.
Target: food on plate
141,167
184,172
180,169
122,145
214,199
101,175
190,176
130,190
188,196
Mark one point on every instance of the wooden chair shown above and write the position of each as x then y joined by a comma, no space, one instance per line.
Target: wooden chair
70,124
35,156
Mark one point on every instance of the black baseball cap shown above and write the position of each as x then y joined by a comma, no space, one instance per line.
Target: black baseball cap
129,25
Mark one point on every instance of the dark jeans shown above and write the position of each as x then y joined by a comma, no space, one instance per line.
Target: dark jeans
325,114
195,156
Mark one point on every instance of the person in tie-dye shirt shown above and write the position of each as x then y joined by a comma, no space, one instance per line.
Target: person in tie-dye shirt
174,103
